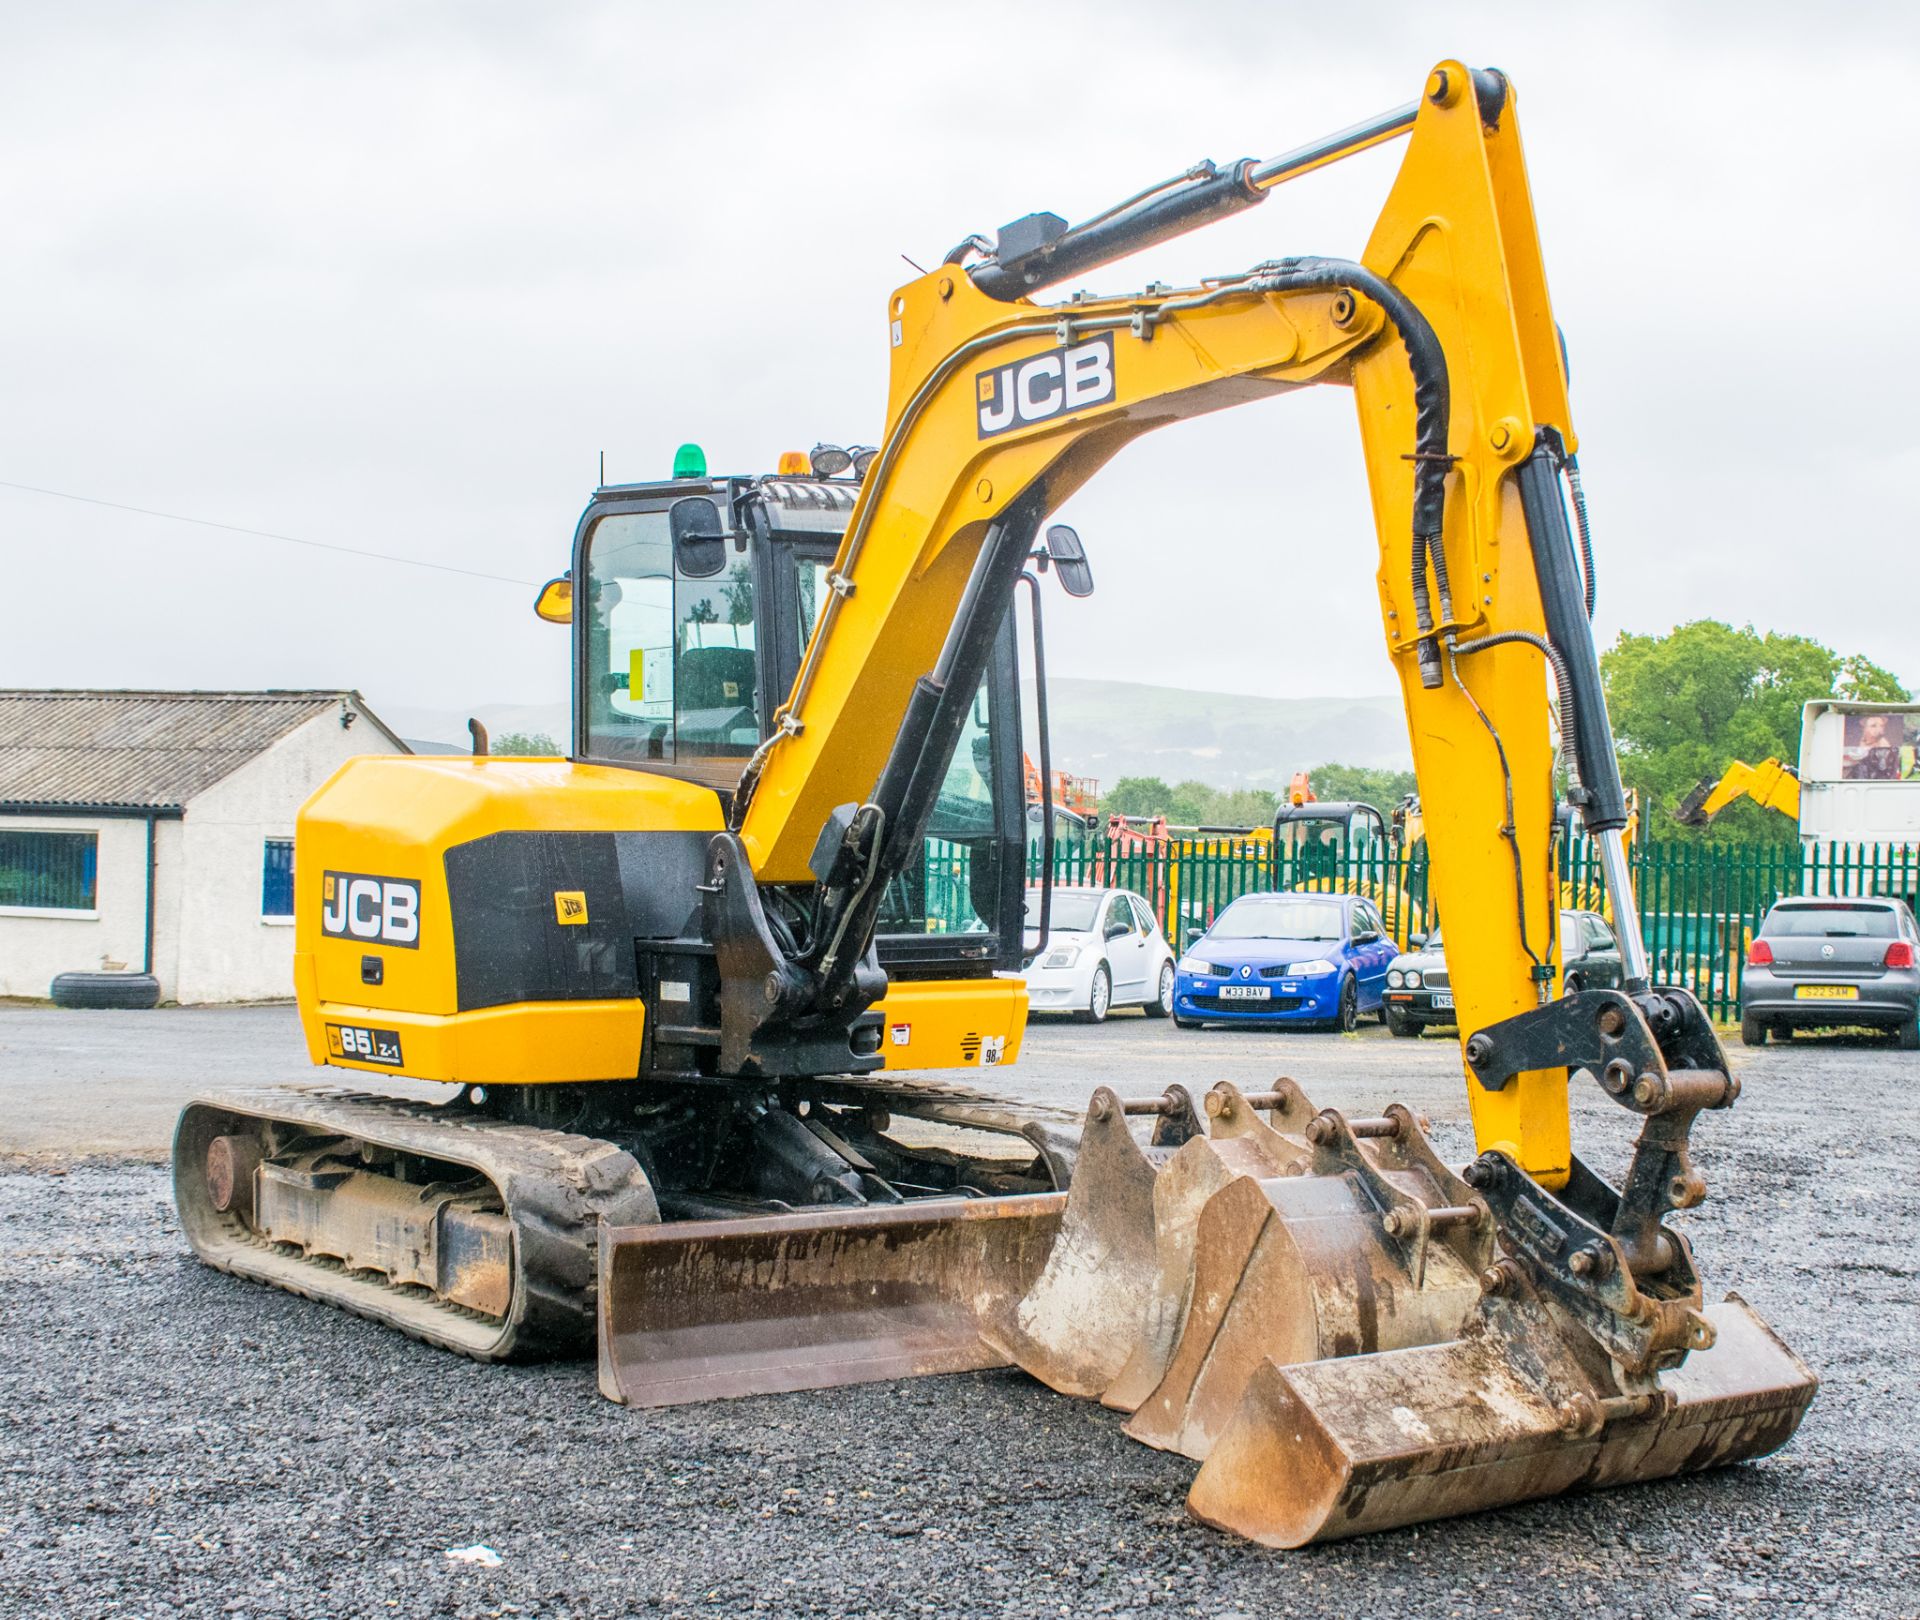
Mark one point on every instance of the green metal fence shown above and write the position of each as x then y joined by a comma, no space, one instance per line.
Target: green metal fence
1700,904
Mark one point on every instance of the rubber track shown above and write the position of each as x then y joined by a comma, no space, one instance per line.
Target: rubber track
556,1188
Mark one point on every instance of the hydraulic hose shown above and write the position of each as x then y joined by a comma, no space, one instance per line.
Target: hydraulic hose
1562,680
1571,468
1432,406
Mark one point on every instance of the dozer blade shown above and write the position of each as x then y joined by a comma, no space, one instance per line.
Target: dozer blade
694,1310
1504,1414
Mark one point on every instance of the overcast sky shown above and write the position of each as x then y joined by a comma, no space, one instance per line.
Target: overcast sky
393,276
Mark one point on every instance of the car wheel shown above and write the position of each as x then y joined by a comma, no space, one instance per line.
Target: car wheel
1349,1017
1099,999
139,990
1752,1031
1162,1004
1400,1024
1907,1036
1572,985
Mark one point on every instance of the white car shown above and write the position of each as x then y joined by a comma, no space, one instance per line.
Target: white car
1104,950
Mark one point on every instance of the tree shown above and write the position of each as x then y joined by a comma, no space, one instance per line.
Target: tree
1686,704
525,742
1370,784
1137,796
1197,804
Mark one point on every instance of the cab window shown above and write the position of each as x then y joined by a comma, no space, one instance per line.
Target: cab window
955,887
671,671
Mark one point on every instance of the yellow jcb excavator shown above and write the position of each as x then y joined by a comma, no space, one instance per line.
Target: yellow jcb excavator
675,977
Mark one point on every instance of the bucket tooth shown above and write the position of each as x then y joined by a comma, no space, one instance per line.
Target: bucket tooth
1340,1261
1082,1318
1506,1413
695,1310
1240,1143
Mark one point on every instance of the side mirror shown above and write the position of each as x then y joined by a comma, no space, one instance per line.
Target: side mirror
1416,942
1070,560
555,601
699,537
1116,929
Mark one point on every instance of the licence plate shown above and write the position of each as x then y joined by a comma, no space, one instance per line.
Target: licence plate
1442,998
1245,992
1826,992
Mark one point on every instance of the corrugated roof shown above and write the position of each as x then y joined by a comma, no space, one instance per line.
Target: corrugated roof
147,750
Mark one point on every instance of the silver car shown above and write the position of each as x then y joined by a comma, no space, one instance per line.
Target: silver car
1822,964
1104,950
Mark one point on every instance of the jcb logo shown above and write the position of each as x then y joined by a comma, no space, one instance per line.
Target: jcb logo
1046,386
570,907
355,906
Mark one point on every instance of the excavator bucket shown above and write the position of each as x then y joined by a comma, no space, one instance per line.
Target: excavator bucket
1239,1143
1300,1267
1316,1330
1691,811
1503,1414
692,1310
1081,1320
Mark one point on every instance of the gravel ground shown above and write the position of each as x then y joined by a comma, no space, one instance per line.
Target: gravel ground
178,1442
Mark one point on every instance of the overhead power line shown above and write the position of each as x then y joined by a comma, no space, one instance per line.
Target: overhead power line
267,534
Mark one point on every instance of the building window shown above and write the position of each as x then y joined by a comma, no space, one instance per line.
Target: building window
49,871
276,879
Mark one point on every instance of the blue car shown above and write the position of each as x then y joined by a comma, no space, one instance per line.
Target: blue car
1296,958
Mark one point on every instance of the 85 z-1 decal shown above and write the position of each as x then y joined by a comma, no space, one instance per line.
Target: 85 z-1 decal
1044,386
360,1044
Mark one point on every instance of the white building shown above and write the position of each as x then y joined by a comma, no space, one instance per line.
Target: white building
153,832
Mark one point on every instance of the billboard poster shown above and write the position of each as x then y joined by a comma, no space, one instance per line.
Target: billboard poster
1881,748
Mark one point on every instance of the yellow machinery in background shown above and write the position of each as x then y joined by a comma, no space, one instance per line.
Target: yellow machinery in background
664,972
1772,784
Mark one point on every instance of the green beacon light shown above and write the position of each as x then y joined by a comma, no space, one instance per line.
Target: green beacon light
689,461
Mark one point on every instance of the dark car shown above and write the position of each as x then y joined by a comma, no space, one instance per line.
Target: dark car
1420,994
1825,964
1303,957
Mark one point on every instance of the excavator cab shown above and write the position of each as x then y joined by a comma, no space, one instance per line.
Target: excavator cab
1326,837
698,599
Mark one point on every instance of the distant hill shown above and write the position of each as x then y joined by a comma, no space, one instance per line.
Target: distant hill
449,726
1111,729
1107,729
